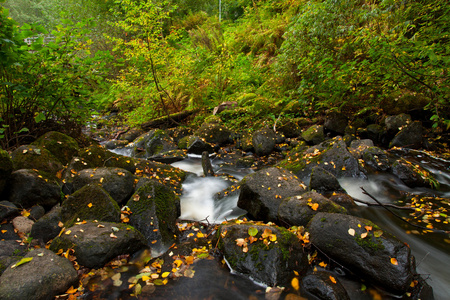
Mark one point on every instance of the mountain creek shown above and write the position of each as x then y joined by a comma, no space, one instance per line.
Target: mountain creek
178,214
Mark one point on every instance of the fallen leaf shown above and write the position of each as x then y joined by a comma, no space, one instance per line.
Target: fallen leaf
241,242
252,231
71,290
323,264
394,261
351,231
90,205
333,280
21,262
377,233
113,235
295,283
364,235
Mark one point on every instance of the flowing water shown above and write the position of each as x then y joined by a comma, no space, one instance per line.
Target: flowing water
431,250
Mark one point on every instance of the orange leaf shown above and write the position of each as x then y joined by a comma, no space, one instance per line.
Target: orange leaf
323,264
394,261
89,205
241,242
71,290
295,283
333,280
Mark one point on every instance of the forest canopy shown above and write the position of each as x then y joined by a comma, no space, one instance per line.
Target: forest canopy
61,61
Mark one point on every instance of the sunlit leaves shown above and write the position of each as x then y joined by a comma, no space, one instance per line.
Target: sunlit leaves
21,262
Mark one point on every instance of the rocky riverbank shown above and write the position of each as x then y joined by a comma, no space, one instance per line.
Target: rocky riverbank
92,208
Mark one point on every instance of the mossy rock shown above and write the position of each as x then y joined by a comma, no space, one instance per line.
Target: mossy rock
95,155
158,142
314,134
271,262
155,209
62,146
35,157
264,141
91,202
215,133
164,174
6,168
403,102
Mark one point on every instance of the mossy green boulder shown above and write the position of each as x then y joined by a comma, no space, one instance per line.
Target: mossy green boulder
35,157
62,146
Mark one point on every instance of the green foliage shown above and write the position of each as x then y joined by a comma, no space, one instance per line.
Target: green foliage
50,79
357,52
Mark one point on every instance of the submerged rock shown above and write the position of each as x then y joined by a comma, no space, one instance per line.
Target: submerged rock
365,249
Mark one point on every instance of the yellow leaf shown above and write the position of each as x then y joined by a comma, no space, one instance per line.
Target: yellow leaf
68,232
323,264
145,278
314,206
165,274
4,231
154,276
200,234
394,261
178,263
333,280
101,180
295,283
25,213
89,205
71,290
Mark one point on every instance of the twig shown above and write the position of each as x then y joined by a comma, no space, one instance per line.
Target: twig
399,217
388,205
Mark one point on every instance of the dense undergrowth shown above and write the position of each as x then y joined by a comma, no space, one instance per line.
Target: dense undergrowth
294,58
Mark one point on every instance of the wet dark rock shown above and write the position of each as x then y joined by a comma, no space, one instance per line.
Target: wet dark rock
395,123
331,155
270,263
314,135
336,123
6,168
319,284
7,232
178,133
343,238
376,158
119,183
96,243
358,146
155,209
113,144
344,200
299,210
169,157
373,132
323,181
245,162
36,212
10,252
34,157
289,128
62,146
263,141
263,191
159,142
30,187
47,227
91,202
215,133
131,135
43,277
195,145
410,136
411,175
7,209
206,165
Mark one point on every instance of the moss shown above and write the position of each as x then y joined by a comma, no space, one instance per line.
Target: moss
370,243
323,220
60,145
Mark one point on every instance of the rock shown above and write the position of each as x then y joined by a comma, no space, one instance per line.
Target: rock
395,123
130,135
155,209
299,210
377,257
314,135
289,128
206,165
29,188
113,144
96,243
344,200
323,181
43,277
34,157
119,183
412,175
336,123
169,157
167,175
263,191
7,209
36,212
22,224
215,134
331,155
358,146
373,132
91,202
319,284
159,142
224,106
10,252
266,261
95,156
6,168
263,141
178,133
245,162
62,146
197,145
410,136
47,227
376,158
7,232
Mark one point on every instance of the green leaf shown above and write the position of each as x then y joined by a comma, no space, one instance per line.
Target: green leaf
21,262
252,231
39,117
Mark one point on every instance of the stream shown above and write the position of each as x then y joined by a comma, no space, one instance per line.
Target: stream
430,249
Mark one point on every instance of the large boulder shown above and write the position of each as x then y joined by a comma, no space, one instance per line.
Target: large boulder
47,227
44,276
331,155
395,123
299,210
195,145
323,181
263,191
6,168
155,209
118,182
96,243
30,187
335,122
410,136
34,157
263,141
159,142
376,158
215,133
412,175
91,202
320,285
62,146
10,252
270,255
314,135
365,249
